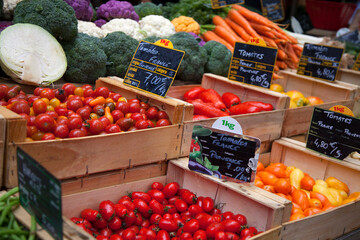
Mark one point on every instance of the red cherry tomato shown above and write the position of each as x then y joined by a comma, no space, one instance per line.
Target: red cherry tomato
44,122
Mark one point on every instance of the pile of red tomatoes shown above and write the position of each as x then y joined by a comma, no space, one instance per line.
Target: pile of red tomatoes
163,213
79,111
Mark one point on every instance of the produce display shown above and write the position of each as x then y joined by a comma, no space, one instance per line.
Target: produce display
208,104
164,212
79,111
308,196
297,99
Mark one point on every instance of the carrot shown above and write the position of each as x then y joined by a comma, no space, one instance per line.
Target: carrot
210,35
281,54
281,64
238,29
260,28
280,35
276,68
298,49
239,19
291,53
279,41
225,27
268,34
291,64
250,15
224,34
270,42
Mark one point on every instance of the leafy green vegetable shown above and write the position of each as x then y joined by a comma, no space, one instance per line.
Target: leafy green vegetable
147,8
219,58
200,10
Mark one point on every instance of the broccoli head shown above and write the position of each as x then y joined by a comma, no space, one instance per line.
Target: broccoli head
193,63
219,58
86,59
147,8
152,39
55,16
119,49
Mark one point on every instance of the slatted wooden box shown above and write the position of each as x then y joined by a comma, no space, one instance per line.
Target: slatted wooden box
264,213
297,120
328,224
264,125
81,162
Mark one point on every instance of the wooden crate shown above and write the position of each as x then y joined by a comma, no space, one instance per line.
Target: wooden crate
349,76
264,125
2,145
297,120
329,224
263,213
81,157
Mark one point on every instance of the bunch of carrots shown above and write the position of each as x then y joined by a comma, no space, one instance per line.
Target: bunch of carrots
241,25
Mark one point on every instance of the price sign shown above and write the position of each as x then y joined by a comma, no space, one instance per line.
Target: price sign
40,194
273,10
252,64
320,61
334,134
356,66
153,68
223,3
223,154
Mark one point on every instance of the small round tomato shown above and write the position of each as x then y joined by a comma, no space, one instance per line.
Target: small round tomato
77,133
137,116
207,204
96,126
88,92
106,232
157,195
156,207
47,93
39,106
69,88
13,92
61,111
157,185
162,235
75,123
144,105
3,90
48,136
44,122
102,91
30,130
204,219
181,205
191,226
106,209
115,96
163,122
84,112
213,228
241,219
134,107
231,225
117,114
125,123
143,124
62,120
61,131
79,91
171,189
168,225
122,106
120,210
228,215
20,107
37,91
245,233
89,214
129,219
115,223
74,104
162,115
152,112
200,235
60,94
155,218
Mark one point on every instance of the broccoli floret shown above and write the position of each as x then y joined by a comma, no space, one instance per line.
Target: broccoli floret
119,49
147,8
219,58
192,65
55,16
86,59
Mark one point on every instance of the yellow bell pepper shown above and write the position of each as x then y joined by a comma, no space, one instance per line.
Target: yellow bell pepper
186,24
336,183
343,194
295,177
321,182
325,191
336,195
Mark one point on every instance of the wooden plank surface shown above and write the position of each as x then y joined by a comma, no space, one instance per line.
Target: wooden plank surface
349,75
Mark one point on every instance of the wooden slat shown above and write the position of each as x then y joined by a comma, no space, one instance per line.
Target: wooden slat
2,146
349,75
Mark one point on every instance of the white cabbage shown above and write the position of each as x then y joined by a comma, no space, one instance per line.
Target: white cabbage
31,55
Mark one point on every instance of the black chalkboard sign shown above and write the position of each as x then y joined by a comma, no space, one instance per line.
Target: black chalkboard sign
40,194
252,64
352,37
334,134
273,10
356,66
224,155
223,3
153,68
320,61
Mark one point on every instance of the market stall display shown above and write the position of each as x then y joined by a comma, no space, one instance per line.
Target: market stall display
127,150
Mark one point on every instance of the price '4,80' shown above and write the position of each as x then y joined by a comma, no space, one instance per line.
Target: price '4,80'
335,152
